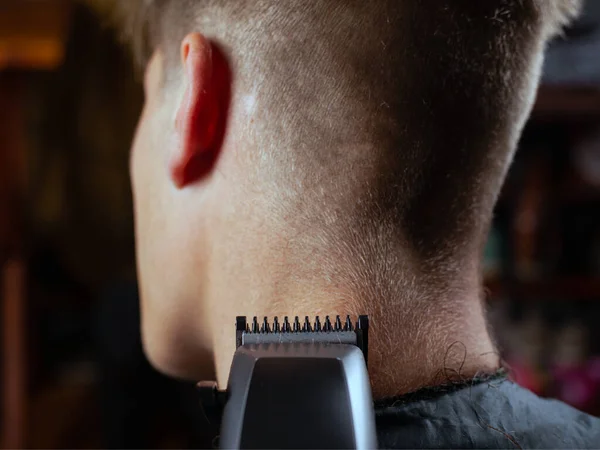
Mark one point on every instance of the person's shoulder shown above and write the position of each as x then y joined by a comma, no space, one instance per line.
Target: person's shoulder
492,413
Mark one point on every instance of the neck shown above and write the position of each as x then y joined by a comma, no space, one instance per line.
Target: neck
429,347
427,323
409,347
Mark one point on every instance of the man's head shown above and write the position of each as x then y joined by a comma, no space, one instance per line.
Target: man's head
344,153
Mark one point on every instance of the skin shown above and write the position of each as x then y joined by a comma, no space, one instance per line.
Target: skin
218,236
183,231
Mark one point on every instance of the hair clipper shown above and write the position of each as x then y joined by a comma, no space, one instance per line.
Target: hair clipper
298,385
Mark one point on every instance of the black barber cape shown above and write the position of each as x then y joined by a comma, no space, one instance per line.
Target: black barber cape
484,413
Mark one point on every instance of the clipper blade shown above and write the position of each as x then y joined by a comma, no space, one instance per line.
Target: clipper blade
306,331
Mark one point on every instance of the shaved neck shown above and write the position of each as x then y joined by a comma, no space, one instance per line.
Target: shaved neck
420,335
426,309
374,172
365,151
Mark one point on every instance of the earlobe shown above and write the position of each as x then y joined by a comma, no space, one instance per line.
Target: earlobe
201,112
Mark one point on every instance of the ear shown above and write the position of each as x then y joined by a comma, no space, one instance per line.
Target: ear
201,113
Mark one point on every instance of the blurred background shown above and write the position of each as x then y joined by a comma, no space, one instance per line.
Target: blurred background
72,369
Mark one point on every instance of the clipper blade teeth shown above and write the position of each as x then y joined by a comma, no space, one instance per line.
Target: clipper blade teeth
327,325
317,324
296,326
348,325
306,326
265,326
329,332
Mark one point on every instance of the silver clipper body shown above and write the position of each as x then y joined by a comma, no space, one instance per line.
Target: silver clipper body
296,385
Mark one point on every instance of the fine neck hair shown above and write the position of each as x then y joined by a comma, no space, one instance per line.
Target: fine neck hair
365,149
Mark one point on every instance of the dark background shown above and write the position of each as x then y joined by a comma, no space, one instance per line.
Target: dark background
73,373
